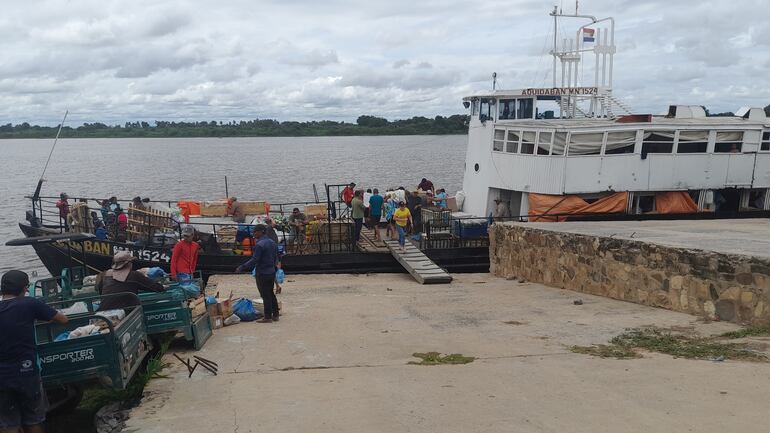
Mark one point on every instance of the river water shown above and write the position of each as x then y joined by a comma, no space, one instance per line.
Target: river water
276,169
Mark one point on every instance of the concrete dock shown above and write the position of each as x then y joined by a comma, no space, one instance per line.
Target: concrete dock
750,237
338,362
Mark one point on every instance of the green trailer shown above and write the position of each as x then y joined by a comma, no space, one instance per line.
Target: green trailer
164,313
110,357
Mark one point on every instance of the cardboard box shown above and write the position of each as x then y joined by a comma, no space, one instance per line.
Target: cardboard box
198,309
214,208
213,310
225,306
217,322
255,207
317,209
451,203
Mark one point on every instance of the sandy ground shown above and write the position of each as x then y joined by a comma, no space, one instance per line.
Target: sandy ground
338,362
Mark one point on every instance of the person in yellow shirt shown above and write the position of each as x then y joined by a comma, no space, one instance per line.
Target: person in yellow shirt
403,218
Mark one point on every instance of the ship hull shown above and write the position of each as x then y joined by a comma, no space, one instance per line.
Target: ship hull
96,255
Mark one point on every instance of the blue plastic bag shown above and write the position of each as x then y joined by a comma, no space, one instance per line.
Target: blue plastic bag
211,300
191,288
156,273
244,309
280,276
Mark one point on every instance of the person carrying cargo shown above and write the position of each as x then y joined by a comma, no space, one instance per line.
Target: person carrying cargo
235,209
23,403
264,262
121,278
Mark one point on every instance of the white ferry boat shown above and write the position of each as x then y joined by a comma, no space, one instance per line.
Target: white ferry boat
575,149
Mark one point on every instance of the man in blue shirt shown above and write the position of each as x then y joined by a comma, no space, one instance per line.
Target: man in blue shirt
440,198
264,258
23,403
376,204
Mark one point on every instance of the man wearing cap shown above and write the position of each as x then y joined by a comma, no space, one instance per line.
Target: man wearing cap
184,256
23,403
235,209
121,278
264,258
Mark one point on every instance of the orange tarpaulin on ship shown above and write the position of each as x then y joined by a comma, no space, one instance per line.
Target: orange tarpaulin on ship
542,206
674,202
188,208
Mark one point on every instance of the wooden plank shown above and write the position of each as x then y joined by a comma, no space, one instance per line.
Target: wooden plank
418,264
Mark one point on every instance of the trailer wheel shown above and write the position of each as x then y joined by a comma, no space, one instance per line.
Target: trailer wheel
64,399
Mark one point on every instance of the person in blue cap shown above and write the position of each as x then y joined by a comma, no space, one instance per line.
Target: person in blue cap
23,403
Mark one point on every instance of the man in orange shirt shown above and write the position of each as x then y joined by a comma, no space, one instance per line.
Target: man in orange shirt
184,258
347,194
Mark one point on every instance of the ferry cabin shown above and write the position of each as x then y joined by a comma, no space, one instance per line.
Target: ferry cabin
517,147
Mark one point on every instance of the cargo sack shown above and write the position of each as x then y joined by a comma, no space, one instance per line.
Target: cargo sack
191,288
245,310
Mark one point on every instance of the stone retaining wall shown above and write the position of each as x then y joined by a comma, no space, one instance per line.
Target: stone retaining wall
716,286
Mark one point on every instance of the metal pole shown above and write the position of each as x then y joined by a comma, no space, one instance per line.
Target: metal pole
227,192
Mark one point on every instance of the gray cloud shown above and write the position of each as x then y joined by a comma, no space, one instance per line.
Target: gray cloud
301,60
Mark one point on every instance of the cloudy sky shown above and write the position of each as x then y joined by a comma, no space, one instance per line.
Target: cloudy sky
114,61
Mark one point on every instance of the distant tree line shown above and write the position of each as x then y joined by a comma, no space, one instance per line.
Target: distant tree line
730,113
365,125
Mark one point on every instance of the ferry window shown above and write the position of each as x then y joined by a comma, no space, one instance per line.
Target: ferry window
544,143
528,142
475,107
692,142
507,109
585,143
486,110
525,109
657,142
765,140
728,142
559,143
620,142
499,141
512,145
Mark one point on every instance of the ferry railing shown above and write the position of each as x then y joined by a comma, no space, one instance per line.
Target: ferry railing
336,236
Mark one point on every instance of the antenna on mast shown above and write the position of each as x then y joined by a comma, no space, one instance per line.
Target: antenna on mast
494,81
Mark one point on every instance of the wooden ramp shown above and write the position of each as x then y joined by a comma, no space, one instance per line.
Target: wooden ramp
368,244
418,264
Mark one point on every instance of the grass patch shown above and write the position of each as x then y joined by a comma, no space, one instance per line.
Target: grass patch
752,331
606,351
624,346
435,358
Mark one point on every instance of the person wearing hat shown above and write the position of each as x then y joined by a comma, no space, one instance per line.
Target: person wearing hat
23,403
235,209
264,260
403,219
184,256
121,278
